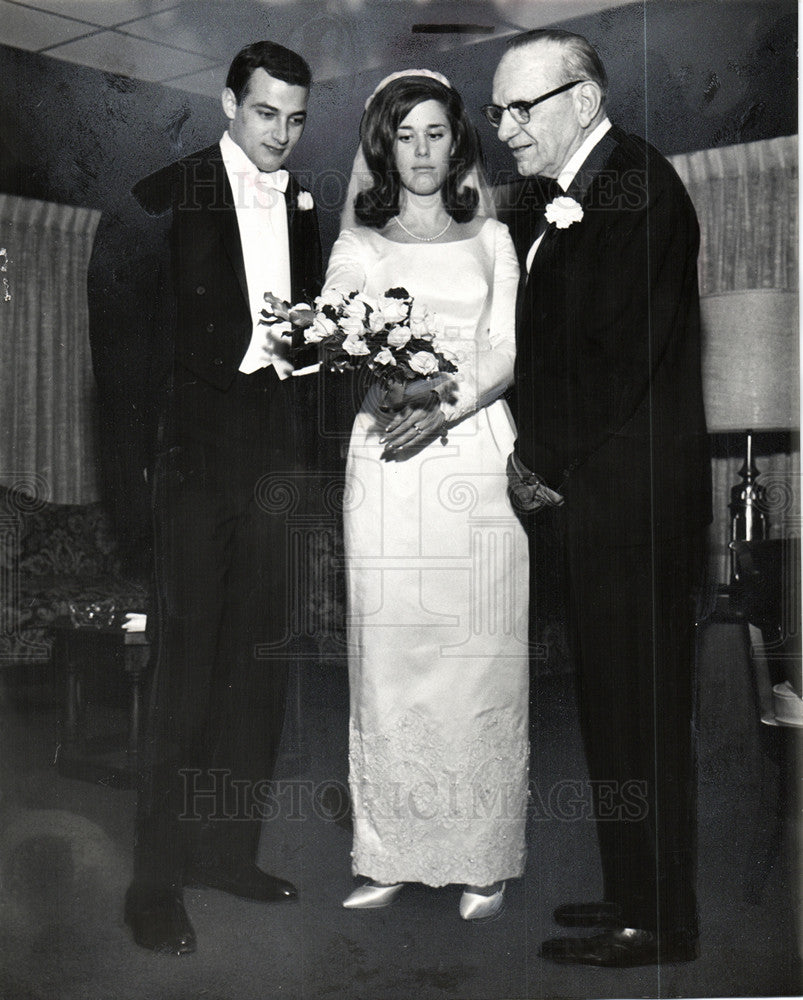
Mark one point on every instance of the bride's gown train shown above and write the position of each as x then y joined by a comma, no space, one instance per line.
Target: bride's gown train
438,589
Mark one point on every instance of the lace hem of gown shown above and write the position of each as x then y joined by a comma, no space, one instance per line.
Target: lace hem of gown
436,810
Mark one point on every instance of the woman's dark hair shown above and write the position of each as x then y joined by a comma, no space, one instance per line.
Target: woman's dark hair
387,110
279,62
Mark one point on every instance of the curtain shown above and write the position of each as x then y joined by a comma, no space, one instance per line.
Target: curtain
746,198
47,436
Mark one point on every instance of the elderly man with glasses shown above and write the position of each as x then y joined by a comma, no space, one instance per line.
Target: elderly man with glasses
612,445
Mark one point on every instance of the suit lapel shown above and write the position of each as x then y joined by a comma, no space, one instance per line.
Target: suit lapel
291,200
304,243
225,217
594,164
295,244
521,206
211,192
227,220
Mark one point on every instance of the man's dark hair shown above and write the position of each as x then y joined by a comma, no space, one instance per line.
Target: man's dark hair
384,114
581,60
279,62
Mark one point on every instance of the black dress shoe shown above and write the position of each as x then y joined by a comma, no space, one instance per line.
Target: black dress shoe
599,914
619,948
158,920
246,881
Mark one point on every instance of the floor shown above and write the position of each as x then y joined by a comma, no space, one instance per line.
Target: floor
65,859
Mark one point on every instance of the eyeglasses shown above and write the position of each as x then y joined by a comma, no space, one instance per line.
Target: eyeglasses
520,110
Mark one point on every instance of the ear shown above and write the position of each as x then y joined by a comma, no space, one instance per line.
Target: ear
587,101
229,102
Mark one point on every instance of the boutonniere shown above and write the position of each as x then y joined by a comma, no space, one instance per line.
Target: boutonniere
563,212
305,202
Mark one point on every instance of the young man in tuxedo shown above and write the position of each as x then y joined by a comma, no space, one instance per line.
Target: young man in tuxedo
234,426
612,437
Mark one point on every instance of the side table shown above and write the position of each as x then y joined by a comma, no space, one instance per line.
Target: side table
112,762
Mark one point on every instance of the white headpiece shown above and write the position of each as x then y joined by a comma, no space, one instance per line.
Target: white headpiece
361,178
431,73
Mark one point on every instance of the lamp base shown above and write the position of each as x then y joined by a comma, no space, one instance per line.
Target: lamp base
748,520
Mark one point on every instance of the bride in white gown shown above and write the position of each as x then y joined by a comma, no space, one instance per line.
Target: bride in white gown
436,560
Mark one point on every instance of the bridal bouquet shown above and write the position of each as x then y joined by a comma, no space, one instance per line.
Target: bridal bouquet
392,336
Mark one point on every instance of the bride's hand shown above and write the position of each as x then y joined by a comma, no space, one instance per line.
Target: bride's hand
413,426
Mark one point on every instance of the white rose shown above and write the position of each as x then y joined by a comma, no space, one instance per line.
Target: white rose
430,328
305,202
355,346
424,363
418,320
352,326
384,357
563,212
321,328
376,321
331,297
359,306
418,312
398,337
394,310
422,323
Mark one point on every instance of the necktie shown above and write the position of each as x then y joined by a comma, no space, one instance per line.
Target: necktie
550,189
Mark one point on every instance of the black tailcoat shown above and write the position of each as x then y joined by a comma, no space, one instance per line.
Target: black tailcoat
609,411
231,455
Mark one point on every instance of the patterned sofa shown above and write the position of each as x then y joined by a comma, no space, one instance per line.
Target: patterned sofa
50,555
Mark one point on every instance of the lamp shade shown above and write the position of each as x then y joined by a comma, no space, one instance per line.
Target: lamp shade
751,360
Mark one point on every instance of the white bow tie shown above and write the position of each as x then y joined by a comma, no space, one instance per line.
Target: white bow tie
276,179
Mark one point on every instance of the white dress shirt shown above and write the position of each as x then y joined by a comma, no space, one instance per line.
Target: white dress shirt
262,220
569,172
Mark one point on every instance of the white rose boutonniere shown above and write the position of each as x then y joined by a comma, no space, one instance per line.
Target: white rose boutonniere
563,212
305,202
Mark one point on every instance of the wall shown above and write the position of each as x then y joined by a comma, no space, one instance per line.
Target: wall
687,74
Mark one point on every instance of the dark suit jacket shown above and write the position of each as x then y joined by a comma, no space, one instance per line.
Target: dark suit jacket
203,316
151,329
608,387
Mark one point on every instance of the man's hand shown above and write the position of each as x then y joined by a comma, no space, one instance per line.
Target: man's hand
527,490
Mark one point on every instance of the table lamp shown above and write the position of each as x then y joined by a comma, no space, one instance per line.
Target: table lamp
751,382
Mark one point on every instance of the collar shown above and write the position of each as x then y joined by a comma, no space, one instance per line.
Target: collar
237,162
569,172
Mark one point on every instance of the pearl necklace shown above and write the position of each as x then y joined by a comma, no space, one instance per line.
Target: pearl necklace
424,239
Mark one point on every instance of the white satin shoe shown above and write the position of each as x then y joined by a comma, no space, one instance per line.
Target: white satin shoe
476,906
372,896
